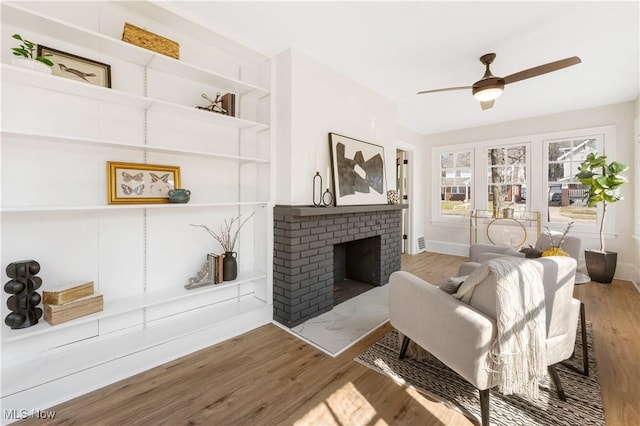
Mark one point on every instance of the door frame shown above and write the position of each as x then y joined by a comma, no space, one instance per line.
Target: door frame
410,152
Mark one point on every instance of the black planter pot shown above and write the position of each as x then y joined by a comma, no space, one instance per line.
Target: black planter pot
601,266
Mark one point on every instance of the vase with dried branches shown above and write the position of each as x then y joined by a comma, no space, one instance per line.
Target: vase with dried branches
227,237
556,245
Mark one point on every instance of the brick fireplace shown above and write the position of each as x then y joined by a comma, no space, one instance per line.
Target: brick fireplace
307,242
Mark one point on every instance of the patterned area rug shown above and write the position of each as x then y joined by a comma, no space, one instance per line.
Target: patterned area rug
437,381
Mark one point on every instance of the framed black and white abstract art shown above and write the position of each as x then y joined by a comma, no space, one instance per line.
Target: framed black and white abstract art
358,171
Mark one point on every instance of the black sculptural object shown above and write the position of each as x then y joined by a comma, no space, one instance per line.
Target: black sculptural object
25,300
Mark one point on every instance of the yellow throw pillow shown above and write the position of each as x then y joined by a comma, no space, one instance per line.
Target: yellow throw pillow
555,251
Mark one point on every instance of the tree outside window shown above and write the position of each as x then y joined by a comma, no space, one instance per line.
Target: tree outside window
507,177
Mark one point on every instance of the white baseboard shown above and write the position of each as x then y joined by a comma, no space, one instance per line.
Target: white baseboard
626,272
636,277
444,247
38,398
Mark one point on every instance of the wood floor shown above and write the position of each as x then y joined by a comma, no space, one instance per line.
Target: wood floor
269,377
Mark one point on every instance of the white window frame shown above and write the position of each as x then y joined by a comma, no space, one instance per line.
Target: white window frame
537,199
605,136
436,213
504,144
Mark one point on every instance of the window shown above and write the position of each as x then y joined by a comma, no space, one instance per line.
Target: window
566,197
527,173
455,183
507,176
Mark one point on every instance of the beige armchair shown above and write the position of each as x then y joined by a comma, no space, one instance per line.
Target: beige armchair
461,334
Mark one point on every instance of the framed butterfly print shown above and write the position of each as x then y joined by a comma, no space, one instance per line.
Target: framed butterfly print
134,183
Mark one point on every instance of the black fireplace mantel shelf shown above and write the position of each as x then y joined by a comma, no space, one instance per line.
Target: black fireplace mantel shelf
301,211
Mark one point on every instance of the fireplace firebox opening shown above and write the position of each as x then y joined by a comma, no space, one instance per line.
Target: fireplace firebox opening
356,268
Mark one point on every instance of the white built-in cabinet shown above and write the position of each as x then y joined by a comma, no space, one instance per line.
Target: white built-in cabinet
57,136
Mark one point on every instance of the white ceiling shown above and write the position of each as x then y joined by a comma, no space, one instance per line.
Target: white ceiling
399,48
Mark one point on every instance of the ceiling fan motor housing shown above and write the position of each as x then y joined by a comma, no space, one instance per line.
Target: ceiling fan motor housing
487,83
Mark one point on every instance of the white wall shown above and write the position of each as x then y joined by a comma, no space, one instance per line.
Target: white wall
621,115
313,100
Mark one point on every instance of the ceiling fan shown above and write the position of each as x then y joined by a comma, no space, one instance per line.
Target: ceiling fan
489,87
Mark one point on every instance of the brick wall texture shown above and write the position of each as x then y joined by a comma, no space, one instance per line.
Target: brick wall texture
303,258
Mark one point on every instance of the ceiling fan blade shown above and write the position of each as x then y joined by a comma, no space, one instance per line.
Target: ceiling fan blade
542,69
486,104
445,89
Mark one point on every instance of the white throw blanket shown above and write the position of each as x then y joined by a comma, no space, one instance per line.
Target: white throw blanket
519,352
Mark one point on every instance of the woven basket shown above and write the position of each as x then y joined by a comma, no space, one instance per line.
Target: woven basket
151,41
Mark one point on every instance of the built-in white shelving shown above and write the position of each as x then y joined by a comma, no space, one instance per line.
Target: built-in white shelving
91,91
103,350
131,303
105,207
140,253
126,145
25,18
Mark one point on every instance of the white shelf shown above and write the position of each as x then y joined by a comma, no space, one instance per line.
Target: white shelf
27,77
91,91
126,145
36,22
132,303
25,209
193,113
100,350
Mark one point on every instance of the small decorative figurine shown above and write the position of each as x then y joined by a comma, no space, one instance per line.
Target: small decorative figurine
321,199
215,105
24,300
393,197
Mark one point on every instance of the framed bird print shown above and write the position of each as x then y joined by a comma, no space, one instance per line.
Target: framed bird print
134,183
76,67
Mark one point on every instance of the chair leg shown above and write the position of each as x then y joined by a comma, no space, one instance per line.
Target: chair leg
484,407
585,352
405,345
556,381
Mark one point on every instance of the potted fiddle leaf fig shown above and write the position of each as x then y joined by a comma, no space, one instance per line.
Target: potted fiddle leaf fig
26,58
604,181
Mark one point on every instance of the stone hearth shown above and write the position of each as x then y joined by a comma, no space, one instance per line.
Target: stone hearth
304,239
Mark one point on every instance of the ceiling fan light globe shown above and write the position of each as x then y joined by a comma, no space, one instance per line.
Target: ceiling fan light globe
486,94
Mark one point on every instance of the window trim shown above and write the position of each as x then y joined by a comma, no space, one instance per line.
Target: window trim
537,154
606,145
436,213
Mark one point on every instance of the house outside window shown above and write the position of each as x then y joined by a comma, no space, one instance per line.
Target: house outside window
455,182
566,197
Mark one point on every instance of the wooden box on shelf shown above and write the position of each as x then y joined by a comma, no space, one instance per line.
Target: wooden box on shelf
57,314
66,294
148,40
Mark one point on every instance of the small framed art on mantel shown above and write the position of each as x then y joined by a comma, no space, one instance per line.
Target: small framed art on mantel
358,171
